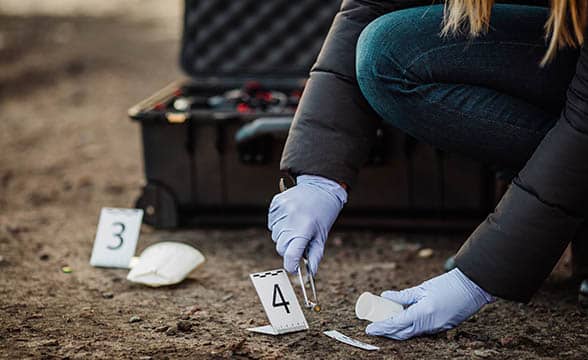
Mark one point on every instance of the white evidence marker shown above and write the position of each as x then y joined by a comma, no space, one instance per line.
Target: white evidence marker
279,303
116,237
334,334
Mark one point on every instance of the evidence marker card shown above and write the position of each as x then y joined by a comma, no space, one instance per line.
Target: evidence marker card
116,237
279,303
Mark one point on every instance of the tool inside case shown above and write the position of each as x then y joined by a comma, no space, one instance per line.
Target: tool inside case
212,143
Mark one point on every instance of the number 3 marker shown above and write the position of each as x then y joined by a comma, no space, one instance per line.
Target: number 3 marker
116,237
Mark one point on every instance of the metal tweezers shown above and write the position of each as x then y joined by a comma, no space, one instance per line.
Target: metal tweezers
313,303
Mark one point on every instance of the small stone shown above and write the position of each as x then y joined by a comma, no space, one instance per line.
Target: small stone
135,319
35,316
145,358
66,270
507,341
425,253
380,266
50,343
488,353
570,354
161,328
191,310
107,295
338,241
227,297
451,334
170,332
405,246
44,257
476,344
184,326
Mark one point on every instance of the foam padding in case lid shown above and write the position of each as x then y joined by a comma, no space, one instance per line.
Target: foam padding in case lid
241,38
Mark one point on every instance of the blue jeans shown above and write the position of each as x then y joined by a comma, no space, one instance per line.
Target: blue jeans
486,97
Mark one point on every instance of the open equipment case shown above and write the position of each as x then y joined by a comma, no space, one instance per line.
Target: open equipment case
212,144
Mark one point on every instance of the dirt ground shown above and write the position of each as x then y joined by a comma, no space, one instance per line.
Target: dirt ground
67,149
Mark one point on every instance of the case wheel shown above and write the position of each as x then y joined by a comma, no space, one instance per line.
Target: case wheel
160,207
580,264
580,253
583,294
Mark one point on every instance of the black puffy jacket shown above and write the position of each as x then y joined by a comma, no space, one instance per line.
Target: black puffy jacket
515,248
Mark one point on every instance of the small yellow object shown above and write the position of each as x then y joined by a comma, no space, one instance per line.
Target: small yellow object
316,308
176,118
425,253
67,270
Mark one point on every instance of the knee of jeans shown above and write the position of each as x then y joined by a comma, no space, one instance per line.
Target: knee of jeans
380,74
368,54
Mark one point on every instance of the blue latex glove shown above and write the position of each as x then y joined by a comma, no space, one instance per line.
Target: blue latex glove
436,305
301,217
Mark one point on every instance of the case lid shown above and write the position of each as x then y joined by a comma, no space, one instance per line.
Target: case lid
252,38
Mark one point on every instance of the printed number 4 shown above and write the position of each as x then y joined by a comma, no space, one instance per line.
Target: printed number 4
284,303
118,235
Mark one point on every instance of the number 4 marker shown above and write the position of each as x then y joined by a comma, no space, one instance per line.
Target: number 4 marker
284,303
279,302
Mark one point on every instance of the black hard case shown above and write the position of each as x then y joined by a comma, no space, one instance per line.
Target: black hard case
200,170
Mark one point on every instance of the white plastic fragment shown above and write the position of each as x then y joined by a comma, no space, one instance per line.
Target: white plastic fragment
334,334
375,308
165,263
134,261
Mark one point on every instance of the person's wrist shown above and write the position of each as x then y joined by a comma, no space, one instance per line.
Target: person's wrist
473,288
328,185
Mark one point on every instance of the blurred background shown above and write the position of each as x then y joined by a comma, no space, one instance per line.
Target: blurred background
69,70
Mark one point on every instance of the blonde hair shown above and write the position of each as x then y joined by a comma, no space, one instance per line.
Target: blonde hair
564,27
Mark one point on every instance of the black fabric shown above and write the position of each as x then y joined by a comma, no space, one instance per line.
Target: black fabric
512,252
334,128
251,38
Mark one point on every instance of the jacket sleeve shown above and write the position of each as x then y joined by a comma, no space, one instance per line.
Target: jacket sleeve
334,127
512,252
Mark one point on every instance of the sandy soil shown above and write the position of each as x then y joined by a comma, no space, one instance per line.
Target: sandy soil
67,149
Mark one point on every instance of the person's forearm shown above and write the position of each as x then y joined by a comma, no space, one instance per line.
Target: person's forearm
334,128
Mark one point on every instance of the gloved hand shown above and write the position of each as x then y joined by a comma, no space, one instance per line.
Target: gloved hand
301,217
436,305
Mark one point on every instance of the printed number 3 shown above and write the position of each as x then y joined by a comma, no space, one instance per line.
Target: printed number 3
284,303
118,235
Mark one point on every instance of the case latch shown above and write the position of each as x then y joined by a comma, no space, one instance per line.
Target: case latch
176,118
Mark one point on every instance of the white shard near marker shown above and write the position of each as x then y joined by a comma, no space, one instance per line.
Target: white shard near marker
165,263
334,334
